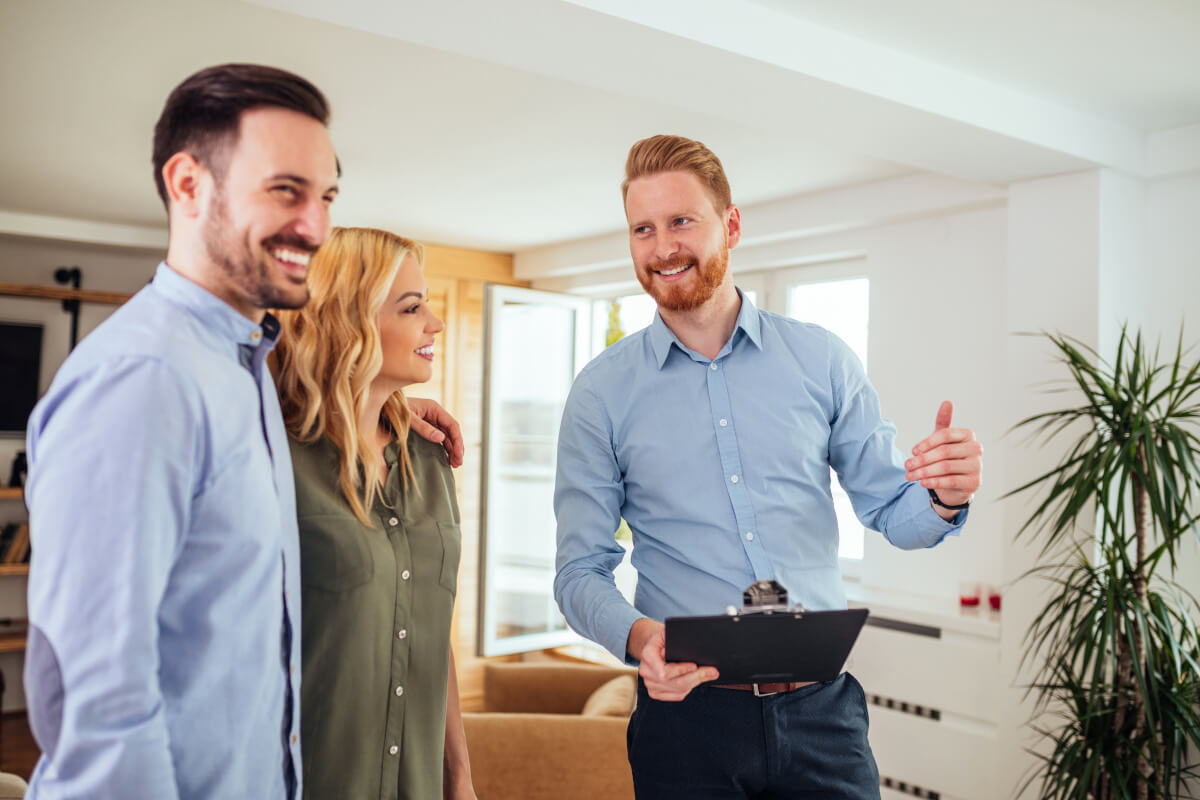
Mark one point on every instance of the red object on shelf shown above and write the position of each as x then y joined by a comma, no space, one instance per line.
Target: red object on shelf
968,601
994,601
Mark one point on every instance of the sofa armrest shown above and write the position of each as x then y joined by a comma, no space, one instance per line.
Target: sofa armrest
543,688
548,757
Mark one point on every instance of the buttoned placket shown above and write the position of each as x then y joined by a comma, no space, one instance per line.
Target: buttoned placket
401,648
731,466
253,356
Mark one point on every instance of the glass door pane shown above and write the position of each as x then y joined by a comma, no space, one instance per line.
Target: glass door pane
534,345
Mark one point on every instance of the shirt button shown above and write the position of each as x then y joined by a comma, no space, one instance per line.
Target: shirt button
393,522
713,366
402,634
393,749
255,336
749,536
295,738
405,575
724,422
733,478
399,691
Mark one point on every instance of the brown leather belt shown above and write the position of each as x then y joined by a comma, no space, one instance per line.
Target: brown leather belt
764,689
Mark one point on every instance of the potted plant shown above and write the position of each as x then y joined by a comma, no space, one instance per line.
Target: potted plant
1115,651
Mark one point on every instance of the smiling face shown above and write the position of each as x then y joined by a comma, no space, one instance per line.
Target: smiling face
269,212
407,326
679,241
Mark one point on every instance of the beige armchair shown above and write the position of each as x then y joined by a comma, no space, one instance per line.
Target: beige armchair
532,743
12,787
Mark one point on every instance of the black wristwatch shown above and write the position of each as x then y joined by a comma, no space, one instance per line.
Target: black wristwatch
937,501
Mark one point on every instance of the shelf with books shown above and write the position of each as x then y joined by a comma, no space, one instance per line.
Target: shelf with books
12,634
13,569
13,493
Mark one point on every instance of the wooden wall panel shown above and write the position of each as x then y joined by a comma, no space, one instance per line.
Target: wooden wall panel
456,278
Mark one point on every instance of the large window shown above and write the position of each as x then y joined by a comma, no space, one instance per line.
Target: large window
842,307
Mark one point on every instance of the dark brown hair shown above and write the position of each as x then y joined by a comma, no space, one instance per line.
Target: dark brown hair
202,114
678,154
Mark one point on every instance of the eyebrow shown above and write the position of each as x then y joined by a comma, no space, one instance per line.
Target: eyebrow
287,176
407,295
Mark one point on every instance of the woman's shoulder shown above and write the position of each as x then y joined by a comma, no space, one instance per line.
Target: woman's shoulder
432,474
315,460
428,454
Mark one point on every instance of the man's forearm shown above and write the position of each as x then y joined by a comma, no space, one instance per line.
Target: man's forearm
639,634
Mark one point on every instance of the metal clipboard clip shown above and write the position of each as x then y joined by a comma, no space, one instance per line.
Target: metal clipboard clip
765,597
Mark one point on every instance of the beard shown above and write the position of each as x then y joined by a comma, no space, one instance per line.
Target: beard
251,275
686,295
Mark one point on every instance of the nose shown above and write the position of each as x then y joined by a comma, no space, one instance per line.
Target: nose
313,223
666,245
434,323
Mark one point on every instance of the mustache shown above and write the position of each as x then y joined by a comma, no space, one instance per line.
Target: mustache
291,240
670,263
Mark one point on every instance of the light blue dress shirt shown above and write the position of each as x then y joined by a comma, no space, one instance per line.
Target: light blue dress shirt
721,469
164,598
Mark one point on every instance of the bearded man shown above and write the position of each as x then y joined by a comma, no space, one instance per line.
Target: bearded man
164,596
712,433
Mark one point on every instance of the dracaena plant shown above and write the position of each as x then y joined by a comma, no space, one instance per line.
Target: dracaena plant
1115,650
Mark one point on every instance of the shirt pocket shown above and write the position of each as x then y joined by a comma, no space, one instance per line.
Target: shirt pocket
451,535
334,553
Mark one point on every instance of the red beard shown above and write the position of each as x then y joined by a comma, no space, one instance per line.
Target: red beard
688,294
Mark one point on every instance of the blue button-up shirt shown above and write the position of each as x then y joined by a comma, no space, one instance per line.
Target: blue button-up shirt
164,599
721,468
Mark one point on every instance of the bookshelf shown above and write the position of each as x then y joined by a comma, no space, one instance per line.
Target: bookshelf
12,642
7,493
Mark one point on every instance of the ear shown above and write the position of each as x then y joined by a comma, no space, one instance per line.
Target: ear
733,226
186,180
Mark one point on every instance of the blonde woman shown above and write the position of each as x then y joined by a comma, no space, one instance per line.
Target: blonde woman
379,529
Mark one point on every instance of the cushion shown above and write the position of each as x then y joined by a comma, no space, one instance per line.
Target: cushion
11,786
612,699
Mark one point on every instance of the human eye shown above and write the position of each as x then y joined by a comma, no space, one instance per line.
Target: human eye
412,309
641,230
679,222
285,191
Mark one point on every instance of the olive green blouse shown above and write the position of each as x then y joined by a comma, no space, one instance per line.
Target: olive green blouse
376,606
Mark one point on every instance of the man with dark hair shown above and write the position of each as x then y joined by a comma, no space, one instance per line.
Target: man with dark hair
163,655
712,433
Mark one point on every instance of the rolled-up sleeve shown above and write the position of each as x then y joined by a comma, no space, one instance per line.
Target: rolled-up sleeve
113,462
862,450
588,494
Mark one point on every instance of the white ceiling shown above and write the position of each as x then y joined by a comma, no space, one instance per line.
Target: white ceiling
504,125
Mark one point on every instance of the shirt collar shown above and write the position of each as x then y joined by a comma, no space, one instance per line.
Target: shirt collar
214,313
661,337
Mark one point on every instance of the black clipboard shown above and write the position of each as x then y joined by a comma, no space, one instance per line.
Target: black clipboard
759,647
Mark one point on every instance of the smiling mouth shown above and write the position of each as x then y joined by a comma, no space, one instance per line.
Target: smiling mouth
425,352
671,272
292,258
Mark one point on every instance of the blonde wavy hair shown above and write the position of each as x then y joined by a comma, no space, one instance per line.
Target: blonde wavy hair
329,353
